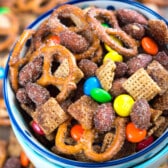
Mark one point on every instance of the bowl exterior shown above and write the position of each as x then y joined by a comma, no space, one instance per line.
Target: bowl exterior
24,133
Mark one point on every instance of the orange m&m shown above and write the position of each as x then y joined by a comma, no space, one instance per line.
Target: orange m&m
149,45
76,132
134,134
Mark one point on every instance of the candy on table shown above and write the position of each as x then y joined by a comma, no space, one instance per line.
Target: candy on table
2,72
123,105
141,85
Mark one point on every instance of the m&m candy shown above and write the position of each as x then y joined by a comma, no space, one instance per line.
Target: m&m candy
123,105
134,134
91,83
100,95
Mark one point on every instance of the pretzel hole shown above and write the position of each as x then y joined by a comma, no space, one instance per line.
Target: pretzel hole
68,22
3,38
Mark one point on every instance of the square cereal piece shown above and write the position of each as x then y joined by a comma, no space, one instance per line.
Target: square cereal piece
161,102
83,110
159,74
49,116
141,85
105,73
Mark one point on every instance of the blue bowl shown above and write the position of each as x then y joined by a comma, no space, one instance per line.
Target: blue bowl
34,147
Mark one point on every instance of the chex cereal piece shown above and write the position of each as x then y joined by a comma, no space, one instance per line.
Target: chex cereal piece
155,114
62,70
141,85
49,116
105,73
108,138
162,128
161,102
82,110
159,74
156,125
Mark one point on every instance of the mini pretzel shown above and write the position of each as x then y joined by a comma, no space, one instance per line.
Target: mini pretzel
59,141
87,139
67,84
54,26
36,6
15,62
103,33
8,29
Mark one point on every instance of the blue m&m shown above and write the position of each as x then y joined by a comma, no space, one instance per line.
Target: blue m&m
91,83
2,72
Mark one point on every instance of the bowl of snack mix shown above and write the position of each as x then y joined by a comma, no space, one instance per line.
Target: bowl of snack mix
86,85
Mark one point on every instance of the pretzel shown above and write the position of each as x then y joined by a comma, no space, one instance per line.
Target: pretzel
36,6
59,141
8,29
15,62
54,26
67,84
162,3
103,33
85,144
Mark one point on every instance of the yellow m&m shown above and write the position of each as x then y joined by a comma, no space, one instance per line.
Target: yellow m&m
114,39
123,105
114,56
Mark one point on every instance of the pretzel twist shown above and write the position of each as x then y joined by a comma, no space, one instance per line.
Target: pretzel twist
86,142
36,6
15,61
103,33
10,32
53,25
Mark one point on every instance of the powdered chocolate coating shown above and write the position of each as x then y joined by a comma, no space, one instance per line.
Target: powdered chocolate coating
140,114
38,94
104,117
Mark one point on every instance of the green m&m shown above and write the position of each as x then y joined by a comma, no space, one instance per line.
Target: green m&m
100,95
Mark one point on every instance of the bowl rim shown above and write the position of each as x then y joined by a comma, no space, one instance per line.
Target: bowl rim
45,152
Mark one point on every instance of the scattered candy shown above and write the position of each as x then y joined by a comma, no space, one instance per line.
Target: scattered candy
24,160
146,142
91,83
4,10
36,128
2,72
76,132
123,105
100,95
149,45
134,134
114,56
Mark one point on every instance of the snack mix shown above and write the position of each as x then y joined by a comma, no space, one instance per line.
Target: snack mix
93,85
